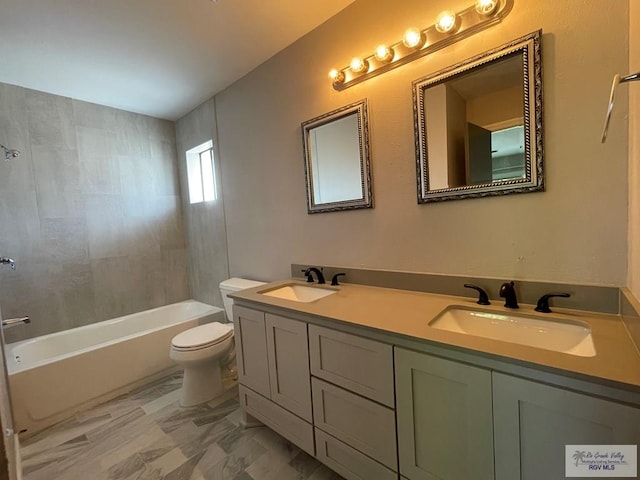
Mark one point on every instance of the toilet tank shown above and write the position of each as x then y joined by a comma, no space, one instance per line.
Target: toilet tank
234,285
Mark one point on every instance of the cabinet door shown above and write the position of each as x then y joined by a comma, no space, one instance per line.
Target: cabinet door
251,349
534,422
445,429
288,351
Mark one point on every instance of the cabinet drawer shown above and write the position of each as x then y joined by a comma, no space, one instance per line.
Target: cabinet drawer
365,425
277,418
348,462
358,364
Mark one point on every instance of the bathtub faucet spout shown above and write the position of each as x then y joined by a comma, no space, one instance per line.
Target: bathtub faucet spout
14,321
8,261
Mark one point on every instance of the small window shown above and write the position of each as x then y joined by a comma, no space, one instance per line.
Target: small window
201,174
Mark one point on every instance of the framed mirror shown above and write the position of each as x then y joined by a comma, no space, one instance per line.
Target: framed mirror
478,125
336,160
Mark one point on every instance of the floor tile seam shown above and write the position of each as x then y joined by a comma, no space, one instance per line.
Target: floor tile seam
195,467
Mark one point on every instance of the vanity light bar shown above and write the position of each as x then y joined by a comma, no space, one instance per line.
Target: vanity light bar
448,28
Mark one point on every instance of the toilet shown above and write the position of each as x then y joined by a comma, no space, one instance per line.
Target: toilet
203,350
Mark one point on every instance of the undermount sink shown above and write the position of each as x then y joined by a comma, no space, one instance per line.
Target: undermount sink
299,293
554,334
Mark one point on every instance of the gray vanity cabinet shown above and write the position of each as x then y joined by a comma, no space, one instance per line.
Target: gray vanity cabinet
534,422
353,404
335,395
273,371
444,416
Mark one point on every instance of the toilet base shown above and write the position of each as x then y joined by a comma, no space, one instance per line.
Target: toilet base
200,384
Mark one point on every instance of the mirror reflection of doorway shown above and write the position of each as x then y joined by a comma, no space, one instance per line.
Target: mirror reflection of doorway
497,154
478,147
507,153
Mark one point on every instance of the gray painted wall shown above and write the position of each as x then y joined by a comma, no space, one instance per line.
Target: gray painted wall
204,222
575,232
90,212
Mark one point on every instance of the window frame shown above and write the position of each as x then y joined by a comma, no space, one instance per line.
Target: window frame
201,174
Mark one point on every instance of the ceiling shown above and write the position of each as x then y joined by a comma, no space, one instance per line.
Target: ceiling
157,57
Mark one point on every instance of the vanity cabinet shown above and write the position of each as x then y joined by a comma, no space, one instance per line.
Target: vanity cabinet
371,410
272,356
444,415
533,423
456,421
353,404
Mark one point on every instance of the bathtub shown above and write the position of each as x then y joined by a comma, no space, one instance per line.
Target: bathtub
55,376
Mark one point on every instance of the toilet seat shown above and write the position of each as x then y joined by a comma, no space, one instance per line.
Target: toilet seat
202,337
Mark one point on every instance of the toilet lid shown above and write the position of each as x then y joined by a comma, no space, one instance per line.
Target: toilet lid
203,335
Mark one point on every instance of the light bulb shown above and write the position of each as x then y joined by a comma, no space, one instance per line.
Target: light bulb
384,54
446,22
486,7
413,38
336,75
358,65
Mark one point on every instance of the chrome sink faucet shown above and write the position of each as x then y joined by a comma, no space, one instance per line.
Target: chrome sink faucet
8,261
509,294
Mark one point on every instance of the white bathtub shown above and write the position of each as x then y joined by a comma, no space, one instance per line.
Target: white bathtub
54,376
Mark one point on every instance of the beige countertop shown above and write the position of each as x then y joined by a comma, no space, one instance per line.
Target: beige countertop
409,313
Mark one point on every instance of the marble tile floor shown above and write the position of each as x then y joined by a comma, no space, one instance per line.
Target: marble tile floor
146,435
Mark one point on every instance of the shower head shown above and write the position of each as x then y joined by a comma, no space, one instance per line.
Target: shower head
9,153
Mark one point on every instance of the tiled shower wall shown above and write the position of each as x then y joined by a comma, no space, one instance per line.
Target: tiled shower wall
90,212
204,222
